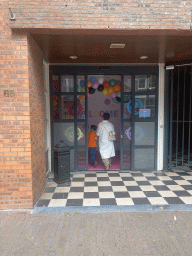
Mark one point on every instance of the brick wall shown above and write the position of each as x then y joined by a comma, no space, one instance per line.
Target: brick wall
16,149
37,118
113,14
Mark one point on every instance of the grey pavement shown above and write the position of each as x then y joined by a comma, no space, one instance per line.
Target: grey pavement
103,234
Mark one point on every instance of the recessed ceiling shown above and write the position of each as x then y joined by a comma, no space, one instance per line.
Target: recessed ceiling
95,48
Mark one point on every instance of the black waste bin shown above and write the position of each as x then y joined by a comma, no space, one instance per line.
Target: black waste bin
62,163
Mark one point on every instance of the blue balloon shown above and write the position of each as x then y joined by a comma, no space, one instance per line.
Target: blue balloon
93,79
82,83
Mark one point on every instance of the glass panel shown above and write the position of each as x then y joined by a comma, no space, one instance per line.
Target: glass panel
67,83
127,107
127,134
81,133
145,83
67,107
55,107
81,84
55,83
81,157
80,106
65,132
145,106
127,84
144,158
127,157
144,133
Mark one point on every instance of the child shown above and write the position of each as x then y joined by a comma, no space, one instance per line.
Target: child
92,145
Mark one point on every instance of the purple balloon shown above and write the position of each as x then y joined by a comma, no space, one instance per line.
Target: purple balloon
118,82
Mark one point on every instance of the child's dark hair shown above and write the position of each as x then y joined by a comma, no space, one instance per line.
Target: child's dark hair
94,127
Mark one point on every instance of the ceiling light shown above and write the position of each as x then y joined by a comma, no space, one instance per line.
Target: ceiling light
73,57
117,45
143,57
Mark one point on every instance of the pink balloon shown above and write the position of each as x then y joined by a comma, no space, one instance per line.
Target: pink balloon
113,94
95,85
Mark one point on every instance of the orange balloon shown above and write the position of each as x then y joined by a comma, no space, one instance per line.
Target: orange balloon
117,87
82,97
89,84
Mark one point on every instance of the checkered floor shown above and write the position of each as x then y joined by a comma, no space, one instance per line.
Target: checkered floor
99,188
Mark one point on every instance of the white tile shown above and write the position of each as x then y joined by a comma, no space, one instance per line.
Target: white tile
189,191
156,182
186,199
157,200
75,195
187,177
104,183
51,184
147,188
57,202
135,194
102,174
167,193
106,195
164,178
91,202
182,182
46,196
130,183
90,189
140,178
148,174
79,175
77,184
62,190
87,179
119,188
175,187
125,174
171,174
115,179
124,201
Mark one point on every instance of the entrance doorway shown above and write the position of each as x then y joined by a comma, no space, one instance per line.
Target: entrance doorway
132,103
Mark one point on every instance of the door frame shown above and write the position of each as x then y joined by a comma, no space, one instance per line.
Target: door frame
86,70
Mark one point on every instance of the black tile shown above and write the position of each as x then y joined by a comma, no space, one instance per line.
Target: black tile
78,180
152,178
187,187
60,196
49,190
169,182
143,183
108,201
77,189
173,200
176,178
68,184
43,202
182,193
190,181
160,174
113,174
140,201
117,183
91,195
183,173
152,194
102,179
90,175
161,188
137,174
87,184
74,202
127,179
104,189
121,194
133,188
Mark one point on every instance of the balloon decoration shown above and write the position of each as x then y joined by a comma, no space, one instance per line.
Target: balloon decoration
107,85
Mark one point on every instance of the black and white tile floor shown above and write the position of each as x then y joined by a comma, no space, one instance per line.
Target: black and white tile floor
99,188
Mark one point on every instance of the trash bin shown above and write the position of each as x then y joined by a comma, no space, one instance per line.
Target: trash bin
62,163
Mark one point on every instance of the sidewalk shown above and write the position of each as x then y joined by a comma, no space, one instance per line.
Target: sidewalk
103,234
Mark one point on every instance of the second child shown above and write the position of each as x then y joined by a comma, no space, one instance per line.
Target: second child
92,145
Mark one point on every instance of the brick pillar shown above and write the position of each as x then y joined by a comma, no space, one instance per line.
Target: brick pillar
19,186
